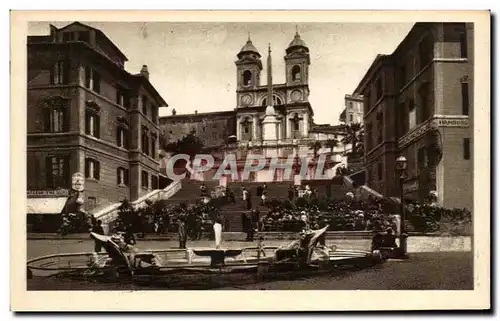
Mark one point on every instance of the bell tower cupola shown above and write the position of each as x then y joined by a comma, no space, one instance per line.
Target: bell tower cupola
297,61
248,66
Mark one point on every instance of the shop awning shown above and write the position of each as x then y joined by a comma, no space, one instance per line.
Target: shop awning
48,205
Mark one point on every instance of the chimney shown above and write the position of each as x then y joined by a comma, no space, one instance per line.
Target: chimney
144,71
174,112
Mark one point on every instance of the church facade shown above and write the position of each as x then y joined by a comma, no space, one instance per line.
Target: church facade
273,120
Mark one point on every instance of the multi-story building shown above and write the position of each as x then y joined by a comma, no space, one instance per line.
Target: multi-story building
88,115
417,103
353,111
212,128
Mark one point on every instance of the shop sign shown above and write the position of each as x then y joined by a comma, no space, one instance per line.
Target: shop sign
48,193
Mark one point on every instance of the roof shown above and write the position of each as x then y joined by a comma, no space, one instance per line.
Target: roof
354,97
248,47
297,42
145,81
377,62
99,33
327,128
199,115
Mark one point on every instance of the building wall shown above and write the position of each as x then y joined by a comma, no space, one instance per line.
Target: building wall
74,142
457,189
417,133
212,128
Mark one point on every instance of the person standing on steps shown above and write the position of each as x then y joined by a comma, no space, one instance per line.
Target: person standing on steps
249,200
244,195
263,197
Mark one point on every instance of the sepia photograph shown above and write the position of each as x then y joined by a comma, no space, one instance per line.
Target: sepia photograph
237,153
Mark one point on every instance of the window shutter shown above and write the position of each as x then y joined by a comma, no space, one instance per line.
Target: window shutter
118,170
66,171
465,98
126,139
97,170
65,72
51,80
87,168
87,123
87,77
97,82
48,172
118,136
466,148
97,125
66,118
126,177
46,119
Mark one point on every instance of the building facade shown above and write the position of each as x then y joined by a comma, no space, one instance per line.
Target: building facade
353,111
417,103
88,115
275,120
214,129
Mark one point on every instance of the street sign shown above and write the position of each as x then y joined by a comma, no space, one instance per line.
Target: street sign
78,182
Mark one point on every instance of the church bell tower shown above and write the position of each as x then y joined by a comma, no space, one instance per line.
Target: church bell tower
248,69
297,63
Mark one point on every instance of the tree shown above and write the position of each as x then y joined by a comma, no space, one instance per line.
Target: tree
331,143
353,135
315,146
360,146
189,144
342,117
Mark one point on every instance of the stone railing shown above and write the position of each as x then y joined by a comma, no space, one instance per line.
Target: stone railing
366,191
110,213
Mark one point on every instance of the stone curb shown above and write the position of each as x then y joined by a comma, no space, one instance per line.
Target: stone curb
231,236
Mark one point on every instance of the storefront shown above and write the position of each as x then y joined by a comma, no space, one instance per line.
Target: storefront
43,208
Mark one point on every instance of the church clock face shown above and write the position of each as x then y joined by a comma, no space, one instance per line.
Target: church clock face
246,100
296,95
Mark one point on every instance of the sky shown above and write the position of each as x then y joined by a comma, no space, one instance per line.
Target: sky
192,64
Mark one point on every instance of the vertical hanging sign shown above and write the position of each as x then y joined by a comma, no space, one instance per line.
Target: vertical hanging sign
78,182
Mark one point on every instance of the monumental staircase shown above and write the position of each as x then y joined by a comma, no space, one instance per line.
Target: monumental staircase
109,213
275,190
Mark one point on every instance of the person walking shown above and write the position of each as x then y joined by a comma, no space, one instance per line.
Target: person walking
182,231
249,226
97,229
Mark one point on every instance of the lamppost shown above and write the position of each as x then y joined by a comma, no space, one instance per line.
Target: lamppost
401,164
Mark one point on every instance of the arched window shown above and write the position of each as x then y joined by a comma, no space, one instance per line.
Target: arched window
296,122
246,129
247,78
296,73
276,101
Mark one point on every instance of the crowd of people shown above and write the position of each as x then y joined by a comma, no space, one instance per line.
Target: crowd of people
345,214
303,209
